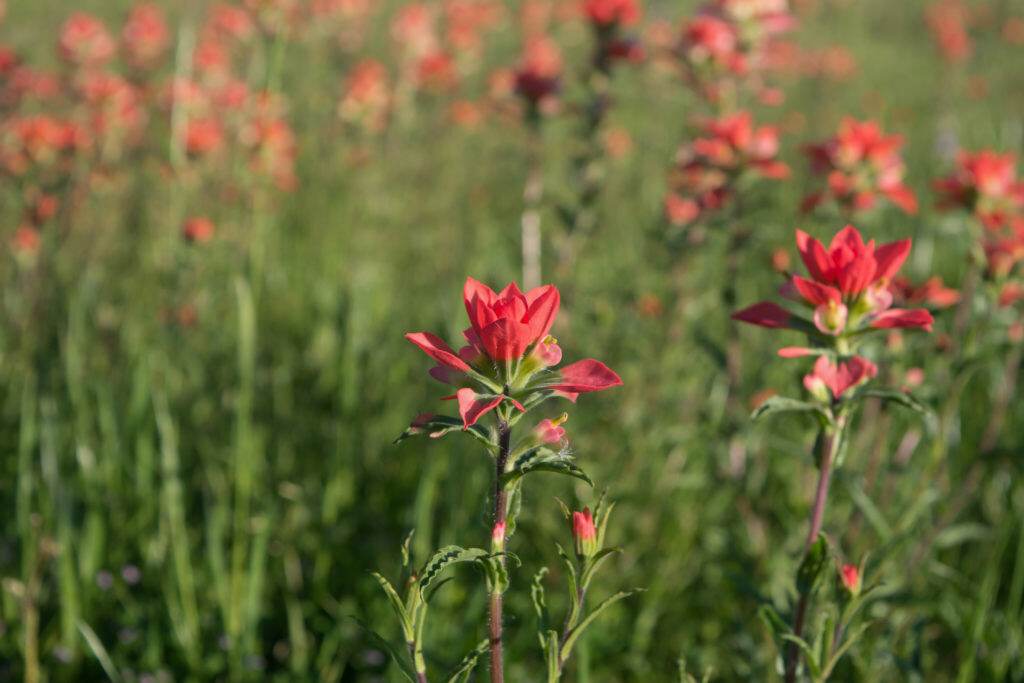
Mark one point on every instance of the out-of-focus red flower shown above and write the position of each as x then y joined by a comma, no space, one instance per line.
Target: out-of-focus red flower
706,38
848,288
413,30
26,241
947,20
840,377
203,135
366,97
1013,31
41,142
436,71
859,164
984,183
931,293
85,41
609,13
466,113
229,22
540,69
198,230
272,148
116,105
144,36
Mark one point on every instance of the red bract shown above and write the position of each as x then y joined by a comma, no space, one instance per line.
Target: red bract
931,293
509,352
859,164
366,97
584,534
539,70
145,35
984,183
849,575
509,322
198,230
608,13
839,377
84,40
848,287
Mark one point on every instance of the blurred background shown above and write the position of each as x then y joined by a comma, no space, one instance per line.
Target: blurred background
218,220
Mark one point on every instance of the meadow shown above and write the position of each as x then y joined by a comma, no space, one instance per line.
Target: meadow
219,221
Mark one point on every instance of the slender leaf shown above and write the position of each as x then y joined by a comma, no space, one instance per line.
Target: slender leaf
464,669
813,665
397,605
380,641
781,404
608,602
446,556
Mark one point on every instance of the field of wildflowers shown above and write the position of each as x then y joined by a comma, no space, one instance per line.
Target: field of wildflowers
753,268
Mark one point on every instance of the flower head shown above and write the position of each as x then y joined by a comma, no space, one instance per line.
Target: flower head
509,352
860,164
985,184
850,579
838,378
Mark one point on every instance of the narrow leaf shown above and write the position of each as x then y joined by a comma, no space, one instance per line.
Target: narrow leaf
444,557
384,644
781,404
814,667
463,670
540,606
812,564
608,602
397,605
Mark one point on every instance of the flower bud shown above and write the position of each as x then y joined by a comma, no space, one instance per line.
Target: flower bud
498,538
584,534
849,579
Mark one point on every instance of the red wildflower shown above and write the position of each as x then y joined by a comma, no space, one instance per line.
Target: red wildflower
145,35
986,184
539,70
838,377
508,350
610,13
859,164
84,40
931,293
848,287
198,230
366,96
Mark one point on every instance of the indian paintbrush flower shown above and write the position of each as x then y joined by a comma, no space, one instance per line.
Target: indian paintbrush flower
509,352
850,579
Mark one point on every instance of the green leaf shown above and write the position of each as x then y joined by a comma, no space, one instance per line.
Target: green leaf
592,565
446,556
381,642
776,626
812,665
848,642
438,425
102,656
494,572
542,459
608,602
540,606
812,564
405,548
899,397
463,670
781,404
554,658
397,605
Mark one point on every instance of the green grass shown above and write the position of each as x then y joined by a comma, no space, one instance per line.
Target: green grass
245,464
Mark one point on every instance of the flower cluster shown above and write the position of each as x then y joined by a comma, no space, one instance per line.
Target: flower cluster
860,164
847,294
724,47
509,354
708,168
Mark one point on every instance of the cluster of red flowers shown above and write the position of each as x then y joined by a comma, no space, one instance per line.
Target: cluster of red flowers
112,95
725,47
947,20
847,294
985,185
860,164
707,169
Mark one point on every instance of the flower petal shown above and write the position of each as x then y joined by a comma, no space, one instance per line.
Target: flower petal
889,258
901,317
435,347
543,302
471,407
586,375
814,257
765,314
815,292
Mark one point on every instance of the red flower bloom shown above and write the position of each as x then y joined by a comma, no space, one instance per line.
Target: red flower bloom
932,292
145,35
540,69
860,163
508,352
198,230
838,378
986,184
609,13
84,40
848,287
